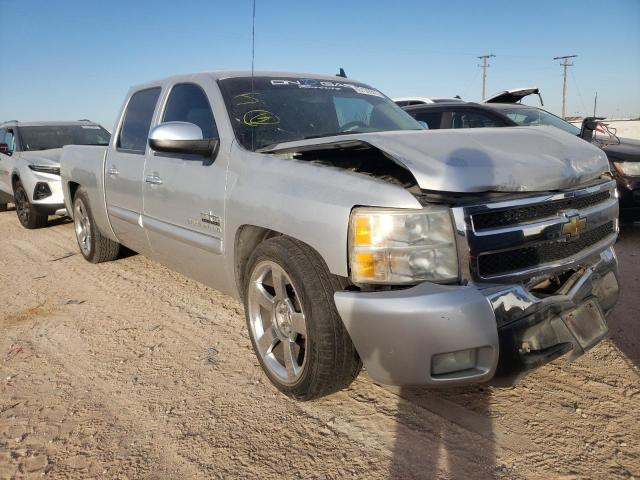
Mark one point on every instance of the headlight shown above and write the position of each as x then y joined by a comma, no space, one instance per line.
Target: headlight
399,246
45,169
629,169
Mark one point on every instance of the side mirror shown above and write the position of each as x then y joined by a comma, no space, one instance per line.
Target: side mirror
589,125
423,124
181,137
4,148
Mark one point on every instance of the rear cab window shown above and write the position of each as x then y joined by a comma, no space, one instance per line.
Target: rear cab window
136,124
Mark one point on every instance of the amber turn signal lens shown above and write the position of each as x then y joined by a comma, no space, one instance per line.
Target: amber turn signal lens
362,233
364,264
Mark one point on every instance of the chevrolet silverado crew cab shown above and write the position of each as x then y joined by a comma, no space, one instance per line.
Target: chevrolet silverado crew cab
30,165
352,235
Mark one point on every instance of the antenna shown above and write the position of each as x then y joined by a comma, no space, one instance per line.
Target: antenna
565,63
253,56
253,40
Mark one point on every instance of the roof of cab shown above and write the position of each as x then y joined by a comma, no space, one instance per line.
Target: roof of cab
222,74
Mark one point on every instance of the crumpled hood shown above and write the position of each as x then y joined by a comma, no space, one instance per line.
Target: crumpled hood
505,159
43,157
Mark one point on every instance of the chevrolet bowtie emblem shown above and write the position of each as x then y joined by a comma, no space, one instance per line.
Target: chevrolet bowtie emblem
574,226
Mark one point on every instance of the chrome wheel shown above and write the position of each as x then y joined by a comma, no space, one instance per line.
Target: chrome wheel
277,322
82,226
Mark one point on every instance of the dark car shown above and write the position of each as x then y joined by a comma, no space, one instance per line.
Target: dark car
502,111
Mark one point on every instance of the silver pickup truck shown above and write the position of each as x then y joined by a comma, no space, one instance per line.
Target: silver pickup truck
352,235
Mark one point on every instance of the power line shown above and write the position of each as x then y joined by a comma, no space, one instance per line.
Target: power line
484,66
565,63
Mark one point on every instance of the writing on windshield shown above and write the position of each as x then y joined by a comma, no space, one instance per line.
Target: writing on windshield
266,110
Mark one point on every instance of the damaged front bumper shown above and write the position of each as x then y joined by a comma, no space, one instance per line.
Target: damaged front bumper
415,336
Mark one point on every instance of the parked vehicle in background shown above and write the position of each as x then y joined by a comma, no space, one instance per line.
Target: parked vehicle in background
501,110
407,101
30,165
351,235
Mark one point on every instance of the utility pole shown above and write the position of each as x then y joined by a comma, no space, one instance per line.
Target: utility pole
564,64
595,104
485,65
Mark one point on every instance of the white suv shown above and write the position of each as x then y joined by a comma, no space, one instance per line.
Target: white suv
30,165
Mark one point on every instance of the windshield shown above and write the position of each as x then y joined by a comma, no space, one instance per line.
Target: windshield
535,116
57,136
269,110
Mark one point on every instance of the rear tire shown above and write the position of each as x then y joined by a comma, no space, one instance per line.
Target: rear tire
95,247
27,214
299,317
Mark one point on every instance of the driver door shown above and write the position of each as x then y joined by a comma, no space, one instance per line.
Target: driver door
184,195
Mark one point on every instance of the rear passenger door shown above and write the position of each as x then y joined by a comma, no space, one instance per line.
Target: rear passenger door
184,197
124,170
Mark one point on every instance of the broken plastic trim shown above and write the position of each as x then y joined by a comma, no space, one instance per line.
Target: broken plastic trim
356,156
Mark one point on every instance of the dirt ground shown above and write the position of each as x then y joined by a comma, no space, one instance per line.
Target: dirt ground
128,370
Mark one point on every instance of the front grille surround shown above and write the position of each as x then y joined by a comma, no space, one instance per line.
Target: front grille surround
537,211
536,244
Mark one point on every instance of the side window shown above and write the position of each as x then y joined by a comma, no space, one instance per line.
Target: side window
188,103
432,119
6,136
473,119
137,120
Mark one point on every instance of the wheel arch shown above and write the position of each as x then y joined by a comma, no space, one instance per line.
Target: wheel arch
73,188
248,237
15,178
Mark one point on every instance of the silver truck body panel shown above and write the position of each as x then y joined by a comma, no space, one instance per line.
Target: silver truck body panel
187,214
84,165
397,333
519,159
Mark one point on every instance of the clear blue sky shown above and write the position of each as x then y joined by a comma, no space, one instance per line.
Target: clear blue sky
70,59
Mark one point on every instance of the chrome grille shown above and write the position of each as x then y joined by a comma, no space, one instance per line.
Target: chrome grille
528,213
517,239
528,257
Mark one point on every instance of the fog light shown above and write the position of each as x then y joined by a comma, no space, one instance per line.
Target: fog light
41,191
453,361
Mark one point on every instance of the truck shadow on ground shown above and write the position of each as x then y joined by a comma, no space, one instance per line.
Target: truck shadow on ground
623,320
439,438
450,433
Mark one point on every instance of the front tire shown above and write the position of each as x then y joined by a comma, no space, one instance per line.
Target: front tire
296,332
27,214
95,247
